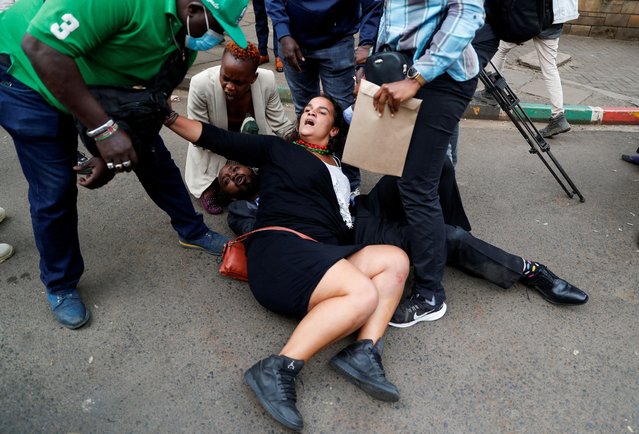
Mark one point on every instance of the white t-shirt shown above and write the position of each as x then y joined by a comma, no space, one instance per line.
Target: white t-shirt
342,187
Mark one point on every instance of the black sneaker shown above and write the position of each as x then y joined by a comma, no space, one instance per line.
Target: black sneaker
557,125
361,364
273,381
415,309
554,289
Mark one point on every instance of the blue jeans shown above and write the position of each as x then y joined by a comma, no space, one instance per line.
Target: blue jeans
46,144
334,67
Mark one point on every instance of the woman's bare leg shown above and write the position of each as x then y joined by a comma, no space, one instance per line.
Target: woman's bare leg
341,303
388,267
360,292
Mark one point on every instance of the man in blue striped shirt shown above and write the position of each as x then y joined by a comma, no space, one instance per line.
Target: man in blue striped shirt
444,75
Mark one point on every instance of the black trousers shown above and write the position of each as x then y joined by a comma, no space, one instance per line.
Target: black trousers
444,102
380,219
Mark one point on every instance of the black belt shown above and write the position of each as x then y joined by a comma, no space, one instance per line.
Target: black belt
5,59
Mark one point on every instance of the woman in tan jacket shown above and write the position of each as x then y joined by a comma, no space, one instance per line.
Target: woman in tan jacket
235,96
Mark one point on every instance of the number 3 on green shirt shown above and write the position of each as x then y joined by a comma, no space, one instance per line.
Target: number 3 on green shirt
69,24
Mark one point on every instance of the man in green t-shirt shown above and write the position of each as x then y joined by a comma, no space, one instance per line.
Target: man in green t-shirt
49,53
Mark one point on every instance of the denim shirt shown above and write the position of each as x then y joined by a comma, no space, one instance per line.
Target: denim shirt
438,31
316,24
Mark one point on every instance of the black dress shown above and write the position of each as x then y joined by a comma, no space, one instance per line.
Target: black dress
296,191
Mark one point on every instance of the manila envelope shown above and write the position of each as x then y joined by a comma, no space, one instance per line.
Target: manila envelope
379,144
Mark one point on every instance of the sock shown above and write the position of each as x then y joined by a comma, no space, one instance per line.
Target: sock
530,269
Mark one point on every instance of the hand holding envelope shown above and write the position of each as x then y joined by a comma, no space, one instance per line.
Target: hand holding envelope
379,144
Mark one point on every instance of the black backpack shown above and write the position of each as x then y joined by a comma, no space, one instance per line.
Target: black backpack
518,20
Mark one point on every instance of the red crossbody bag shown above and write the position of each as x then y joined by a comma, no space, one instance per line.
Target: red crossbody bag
234,253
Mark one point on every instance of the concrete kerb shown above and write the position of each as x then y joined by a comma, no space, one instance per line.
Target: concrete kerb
575,114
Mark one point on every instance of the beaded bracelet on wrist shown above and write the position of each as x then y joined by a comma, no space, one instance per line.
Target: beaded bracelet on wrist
101,129
108,133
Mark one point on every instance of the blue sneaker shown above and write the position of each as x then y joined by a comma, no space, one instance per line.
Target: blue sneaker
69,309
211,242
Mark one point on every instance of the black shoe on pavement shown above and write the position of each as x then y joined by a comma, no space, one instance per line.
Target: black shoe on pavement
557,125
273,381
361,364
416,309
554,289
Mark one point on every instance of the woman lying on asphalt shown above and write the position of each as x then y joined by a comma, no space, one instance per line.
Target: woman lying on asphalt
380,219
335,287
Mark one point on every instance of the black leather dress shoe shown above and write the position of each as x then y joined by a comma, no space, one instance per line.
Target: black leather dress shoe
361,364
554,289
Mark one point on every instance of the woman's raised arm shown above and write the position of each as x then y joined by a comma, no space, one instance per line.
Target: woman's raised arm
249,149
187,128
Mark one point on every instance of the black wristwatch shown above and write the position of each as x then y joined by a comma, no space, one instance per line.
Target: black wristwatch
415,75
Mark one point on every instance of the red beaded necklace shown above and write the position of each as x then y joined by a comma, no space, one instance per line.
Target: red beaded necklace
319,149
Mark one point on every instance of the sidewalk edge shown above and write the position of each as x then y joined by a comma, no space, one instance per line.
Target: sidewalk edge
575,114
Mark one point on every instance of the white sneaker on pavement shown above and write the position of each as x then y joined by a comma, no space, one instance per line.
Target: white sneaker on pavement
6,251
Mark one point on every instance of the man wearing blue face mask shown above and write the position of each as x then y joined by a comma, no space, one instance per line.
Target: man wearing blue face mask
208,40
50,52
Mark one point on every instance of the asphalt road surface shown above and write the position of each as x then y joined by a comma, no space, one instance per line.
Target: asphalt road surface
170,338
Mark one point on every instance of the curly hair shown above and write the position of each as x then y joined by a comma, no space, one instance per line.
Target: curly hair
248,54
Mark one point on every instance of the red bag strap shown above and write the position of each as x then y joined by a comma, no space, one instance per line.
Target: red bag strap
274,228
